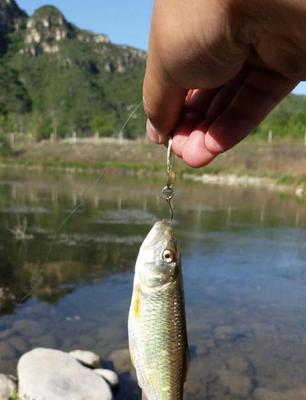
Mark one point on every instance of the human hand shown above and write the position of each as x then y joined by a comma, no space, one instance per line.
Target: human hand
216,69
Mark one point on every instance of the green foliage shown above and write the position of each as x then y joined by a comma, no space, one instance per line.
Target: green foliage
86,86
287,120
5,148
104,123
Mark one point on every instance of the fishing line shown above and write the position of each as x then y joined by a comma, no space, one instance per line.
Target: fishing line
35,279
37,275
131,116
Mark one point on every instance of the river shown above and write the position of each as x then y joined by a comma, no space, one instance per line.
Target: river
66,282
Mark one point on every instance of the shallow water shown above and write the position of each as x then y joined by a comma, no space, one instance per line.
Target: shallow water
244,269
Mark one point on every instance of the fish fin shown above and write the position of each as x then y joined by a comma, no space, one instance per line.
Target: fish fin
143,396
132,359
136,302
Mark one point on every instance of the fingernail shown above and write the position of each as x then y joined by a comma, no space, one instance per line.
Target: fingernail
152,133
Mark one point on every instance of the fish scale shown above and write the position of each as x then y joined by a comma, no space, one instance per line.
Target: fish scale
157,328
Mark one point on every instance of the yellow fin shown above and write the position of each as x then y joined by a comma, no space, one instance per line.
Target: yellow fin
136,305
132,359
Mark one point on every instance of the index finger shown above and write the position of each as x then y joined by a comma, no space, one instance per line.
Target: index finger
162,97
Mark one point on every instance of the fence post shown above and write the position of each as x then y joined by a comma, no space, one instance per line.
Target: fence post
74,137
12,139
270,137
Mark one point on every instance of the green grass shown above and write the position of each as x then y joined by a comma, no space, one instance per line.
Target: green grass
284,162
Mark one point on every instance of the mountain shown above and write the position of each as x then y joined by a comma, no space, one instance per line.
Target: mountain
11,18
56,78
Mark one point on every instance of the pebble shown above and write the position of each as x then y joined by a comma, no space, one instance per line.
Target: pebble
121,361
268,394
224,333
234,382
5,333
48,341
110,376
238,364
7,351
87,358
28,327
7,386
18,343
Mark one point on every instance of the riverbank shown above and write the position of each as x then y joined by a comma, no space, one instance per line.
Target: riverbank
280,166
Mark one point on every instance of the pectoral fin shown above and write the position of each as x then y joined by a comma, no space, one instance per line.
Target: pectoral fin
143,396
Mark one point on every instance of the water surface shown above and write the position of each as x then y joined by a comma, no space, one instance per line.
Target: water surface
68,285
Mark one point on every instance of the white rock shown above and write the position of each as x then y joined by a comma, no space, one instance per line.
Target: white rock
110,376
7,386
87,358
47,374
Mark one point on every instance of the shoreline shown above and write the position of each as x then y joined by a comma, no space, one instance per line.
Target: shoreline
247,181
142,170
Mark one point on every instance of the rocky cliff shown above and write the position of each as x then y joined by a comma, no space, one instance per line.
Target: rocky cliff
56,78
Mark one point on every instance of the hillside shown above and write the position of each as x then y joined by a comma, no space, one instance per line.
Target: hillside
56,78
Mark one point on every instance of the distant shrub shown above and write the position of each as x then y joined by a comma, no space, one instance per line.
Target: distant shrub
5,147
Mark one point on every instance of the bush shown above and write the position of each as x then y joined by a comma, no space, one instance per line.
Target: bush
5,147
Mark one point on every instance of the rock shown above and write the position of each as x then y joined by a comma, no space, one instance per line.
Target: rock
268,394
224,333
87,358
238,364
7,351
18,343
7,386
201,350
55,375
121,361
235,383
232,334
86,341
110,376
28,328
4,334
44,341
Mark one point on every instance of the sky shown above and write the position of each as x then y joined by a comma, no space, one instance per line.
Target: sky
124,21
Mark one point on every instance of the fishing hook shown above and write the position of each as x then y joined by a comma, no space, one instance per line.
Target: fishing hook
168,190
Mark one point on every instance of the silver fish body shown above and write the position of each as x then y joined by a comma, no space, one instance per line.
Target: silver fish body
157,324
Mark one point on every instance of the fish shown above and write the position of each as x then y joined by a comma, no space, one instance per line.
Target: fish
157,323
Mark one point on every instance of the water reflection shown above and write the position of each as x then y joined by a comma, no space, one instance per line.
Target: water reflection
243,261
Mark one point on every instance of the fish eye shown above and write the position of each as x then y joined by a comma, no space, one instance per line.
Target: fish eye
168,256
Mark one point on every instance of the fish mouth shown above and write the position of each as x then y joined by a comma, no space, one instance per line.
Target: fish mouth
160,232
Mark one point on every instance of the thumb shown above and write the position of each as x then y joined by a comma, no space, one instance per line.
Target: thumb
163,98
